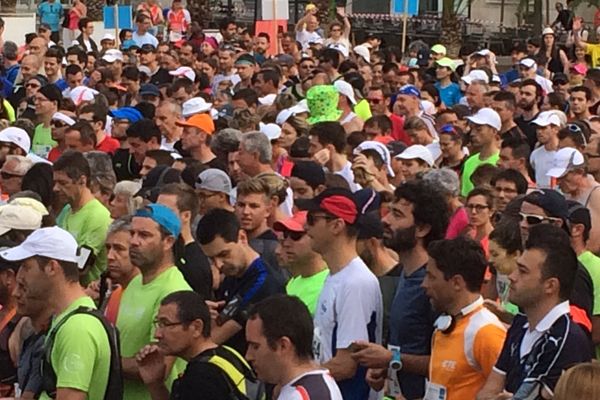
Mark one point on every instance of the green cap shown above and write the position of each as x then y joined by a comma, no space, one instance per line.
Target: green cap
323,102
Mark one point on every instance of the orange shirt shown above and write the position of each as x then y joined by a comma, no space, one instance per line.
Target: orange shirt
462,359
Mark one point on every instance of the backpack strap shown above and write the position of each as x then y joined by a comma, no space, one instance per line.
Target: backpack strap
114,388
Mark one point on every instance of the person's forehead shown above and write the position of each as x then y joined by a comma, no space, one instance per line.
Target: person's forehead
504,183
529,208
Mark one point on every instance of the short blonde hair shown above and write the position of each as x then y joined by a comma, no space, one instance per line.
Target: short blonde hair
580,382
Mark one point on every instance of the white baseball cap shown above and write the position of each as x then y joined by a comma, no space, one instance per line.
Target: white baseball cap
363,51
486,116
379,148
107,36
267,100
272,131
346,89
16,136
417,151
528,62
54,243
185,72
564,160
112,55
476,75
546,118
58,116
82,93
19,217
286,113
341,48
31,203
195,105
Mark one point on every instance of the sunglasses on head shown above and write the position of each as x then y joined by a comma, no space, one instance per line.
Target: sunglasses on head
533,219
295,236
577,129
449,129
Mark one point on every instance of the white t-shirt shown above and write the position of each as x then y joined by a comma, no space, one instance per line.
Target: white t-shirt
317,384
305,37
349,309
541,161
348,175
146,38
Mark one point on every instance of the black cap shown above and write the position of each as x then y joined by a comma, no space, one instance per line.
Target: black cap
147,48
309,171
51,92
156,179
552,202
370,226
579,214
560,78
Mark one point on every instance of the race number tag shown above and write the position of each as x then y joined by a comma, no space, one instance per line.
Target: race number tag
435,392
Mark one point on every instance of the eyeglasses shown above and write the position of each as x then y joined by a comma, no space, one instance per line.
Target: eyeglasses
8,175
311,218
159,323
577,129
58,124
477,207
374,100
33,85
295,236
533,219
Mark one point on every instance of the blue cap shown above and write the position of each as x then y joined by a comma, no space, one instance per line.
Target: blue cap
163,216
149,89
410,90
127,44
131,114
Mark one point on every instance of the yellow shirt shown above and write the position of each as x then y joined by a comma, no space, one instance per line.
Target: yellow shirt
593,50
462,359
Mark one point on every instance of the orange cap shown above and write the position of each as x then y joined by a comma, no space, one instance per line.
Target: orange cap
201,121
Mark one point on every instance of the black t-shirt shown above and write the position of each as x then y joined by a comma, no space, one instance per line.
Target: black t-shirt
126,169
216,163
202,380
582,294
161,76
514,132
195,267
257,283
528,129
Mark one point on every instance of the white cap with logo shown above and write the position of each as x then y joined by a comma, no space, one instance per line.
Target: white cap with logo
546,118
16,136
486,116
564,160
417,151
54,243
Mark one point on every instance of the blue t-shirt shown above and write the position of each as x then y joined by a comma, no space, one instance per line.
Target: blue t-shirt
411,327
450,94
146,38
51,13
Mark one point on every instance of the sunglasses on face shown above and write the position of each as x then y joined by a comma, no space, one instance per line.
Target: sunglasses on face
58,124
295,236
533,219
374,101
312,219
33,85
8,175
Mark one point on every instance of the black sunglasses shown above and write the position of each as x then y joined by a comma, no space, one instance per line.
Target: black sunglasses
295,236
311,218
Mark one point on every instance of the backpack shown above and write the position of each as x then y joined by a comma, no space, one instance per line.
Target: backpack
114,388
240,378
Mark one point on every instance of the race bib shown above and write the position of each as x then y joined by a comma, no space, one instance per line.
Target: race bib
317,343
435,392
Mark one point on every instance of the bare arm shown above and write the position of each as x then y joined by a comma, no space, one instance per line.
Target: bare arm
593,243
493,387
577,33
415,364
131,370
221,334
342,366
300,24
565,61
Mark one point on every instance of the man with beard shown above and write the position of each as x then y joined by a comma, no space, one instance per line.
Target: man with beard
84,216
418,216
154,231
124,164
9,319
530,94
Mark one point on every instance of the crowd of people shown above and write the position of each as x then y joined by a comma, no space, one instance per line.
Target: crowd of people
237,216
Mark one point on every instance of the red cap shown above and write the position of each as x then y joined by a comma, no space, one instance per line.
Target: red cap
295,223
340,206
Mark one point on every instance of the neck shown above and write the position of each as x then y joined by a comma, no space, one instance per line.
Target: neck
383,261
584,115
150,275
198,348
86,197
463,300
536,312
529,114
203,154
337,162
256,232
339,255
100,135
296,368
413,259
45,120
262,168
578,246
173,134
445,81
552,144
488,151
249,256
483,230
186,233
41,322
508,125
312,266
65,296
124,281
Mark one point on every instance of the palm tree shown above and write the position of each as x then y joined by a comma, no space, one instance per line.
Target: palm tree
200,11
95,9
452,26
8,6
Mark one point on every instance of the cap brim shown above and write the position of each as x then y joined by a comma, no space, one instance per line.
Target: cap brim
16,254
557,172
184,123
289,225
307,204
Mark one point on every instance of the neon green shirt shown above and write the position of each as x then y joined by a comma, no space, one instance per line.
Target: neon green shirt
591,262
308,289
593,50
81,352
470,166
10,111
89,226
137,311
42,141
363,110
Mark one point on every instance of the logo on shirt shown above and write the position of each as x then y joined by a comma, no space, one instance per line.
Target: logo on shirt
449,365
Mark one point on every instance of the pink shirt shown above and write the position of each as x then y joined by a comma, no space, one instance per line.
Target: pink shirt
458,222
